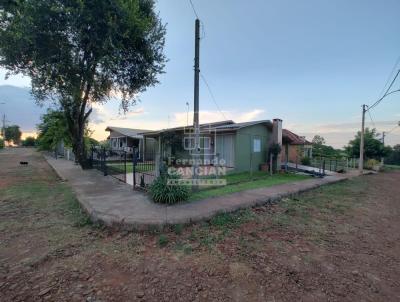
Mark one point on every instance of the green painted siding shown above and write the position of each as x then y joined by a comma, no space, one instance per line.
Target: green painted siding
245,158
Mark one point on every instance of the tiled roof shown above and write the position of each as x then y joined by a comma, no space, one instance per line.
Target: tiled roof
134,133
293,139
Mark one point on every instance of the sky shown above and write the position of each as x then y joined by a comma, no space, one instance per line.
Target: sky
312,63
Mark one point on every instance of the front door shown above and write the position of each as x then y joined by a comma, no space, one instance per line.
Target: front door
225,150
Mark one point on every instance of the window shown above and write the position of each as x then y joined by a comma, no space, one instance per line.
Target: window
188,143
256,145
206,143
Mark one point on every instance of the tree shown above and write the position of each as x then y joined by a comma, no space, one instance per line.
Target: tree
52,130
29,141
318,140
1,143
80,52
393,155
373,147
320,149
12,133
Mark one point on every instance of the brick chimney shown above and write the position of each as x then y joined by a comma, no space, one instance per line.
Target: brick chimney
277,139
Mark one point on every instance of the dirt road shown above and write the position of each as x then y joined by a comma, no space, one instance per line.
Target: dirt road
337,243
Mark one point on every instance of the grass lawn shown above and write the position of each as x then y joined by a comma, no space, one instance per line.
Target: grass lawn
243,181
129,167
392,167
341,238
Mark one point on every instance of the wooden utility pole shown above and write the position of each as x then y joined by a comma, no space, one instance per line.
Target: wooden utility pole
3,128
196,125
383,137
361,161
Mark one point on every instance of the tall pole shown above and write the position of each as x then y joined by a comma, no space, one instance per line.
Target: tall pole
196,153
361,161
3,128
383,137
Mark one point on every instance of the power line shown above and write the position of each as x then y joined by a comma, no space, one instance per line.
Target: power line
390,75
194,10
212,95
387,91
370,116
392,129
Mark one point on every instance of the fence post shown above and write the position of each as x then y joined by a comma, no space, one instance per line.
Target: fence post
104,162
125,166
134,168
323,167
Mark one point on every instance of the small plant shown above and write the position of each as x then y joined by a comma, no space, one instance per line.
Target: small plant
162,240
162,192
177,228
371,164
275,149
306,161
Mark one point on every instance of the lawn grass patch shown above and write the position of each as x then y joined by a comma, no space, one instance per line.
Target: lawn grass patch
311,212
262,182
391,167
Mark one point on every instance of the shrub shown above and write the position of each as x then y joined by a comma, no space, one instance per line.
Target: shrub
161,192
162,240
1,143
371,164
30,141
306,161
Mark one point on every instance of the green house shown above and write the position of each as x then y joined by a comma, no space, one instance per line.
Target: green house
237,146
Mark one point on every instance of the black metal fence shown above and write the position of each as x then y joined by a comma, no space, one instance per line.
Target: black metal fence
143,169
134,168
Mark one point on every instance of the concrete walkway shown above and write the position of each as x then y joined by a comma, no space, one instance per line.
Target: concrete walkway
114,203
310,169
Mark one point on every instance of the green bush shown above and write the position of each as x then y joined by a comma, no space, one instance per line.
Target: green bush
371,163
30,141
162,240
306,161
1,143
161,192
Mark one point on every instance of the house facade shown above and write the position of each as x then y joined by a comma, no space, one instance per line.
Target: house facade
128,140
236,146
294,147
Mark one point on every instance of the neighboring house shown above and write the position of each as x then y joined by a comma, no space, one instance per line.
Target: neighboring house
127,139
294,147
237,146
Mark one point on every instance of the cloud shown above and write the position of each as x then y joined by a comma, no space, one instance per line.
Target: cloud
103,117
338,135
181,118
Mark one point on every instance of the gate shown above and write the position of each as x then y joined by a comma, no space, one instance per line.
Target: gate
113,163
143,169
116,164
135,168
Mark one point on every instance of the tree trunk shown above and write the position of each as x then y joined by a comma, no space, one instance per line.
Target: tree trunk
77,118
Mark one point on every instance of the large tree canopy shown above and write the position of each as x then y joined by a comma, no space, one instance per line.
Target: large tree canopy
53,129
12,133
373,147
82,51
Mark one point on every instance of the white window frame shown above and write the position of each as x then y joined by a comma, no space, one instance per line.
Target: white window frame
256,145
189,146
208,145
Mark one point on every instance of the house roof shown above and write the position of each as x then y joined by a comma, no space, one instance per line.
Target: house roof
221,126
236,126
213,125
134,133
293,139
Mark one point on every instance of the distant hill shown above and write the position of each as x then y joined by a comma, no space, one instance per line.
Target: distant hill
20,107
